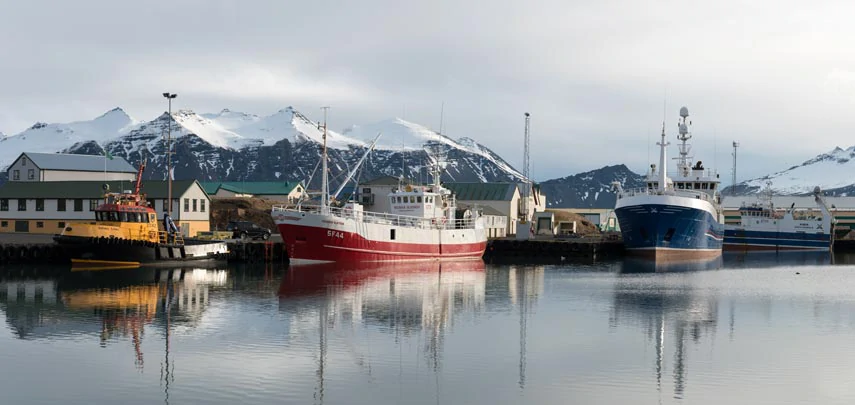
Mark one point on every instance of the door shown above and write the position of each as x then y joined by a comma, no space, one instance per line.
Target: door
22,226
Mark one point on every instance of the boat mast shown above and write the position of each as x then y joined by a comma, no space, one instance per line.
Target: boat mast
684,135
663,173
325,192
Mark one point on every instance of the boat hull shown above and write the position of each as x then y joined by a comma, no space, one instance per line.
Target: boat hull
314,238
663,229
741,239
116,251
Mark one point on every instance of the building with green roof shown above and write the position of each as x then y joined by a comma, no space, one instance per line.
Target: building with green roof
47,206
274,190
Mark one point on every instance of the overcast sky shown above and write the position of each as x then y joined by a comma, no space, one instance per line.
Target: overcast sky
779,76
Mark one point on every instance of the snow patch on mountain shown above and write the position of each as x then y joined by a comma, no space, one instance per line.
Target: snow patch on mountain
830,171
229,119
49,138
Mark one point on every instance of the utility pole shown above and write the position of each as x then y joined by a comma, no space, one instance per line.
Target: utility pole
733,179
169,97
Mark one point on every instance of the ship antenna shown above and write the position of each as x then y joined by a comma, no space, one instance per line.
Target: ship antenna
683,136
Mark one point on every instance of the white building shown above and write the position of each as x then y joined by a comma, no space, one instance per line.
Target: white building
47,206
285,191
61,166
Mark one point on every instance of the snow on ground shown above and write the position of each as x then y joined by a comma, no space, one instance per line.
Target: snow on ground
828,171
50,138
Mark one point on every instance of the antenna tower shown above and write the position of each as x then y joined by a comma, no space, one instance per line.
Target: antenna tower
733,179
526,170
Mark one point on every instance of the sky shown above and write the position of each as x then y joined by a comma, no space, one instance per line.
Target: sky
597,77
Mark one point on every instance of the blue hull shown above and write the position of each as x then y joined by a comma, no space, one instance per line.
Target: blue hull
740,239
669,227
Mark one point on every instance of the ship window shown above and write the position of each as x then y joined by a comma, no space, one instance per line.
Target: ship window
712,186
40,204
4,204
669,234
150,217
419,199
697,186
124,217
60,204
399,199
704,186
114,216
78,204
392,234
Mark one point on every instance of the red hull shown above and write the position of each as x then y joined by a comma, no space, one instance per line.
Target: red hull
309,243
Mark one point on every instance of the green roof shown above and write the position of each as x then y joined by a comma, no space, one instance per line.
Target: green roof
153,189
386,181
482,191
251,187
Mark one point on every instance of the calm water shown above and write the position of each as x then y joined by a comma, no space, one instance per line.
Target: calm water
740,330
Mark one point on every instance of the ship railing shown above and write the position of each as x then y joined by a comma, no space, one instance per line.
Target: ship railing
164,238
682,193
387,219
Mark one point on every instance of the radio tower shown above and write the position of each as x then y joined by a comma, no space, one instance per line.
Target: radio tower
733,180
526,172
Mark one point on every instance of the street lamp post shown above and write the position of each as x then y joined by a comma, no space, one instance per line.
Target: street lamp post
169,97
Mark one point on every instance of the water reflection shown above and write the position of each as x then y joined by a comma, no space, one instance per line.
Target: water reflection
671,310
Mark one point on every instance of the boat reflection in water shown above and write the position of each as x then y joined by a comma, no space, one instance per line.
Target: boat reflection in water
672,312
777,259
635,264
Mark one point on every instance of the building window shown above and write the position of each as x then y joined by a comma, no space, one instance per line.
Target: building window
24,161
31,174
186,205
60,204
40,224
194,205
4,204
22,204
16,175
165,204
4,224
78,204
93,205
364,190
202,205
40,204
60,224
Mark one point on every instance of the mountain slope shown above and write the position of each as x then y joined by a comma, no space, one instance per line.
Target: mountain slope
232,145
42,137
830,171
590,189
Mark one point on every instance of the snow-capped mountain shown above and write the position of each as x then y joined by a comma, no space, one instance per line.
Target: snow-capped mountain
591,189
42,137
831,171
232,145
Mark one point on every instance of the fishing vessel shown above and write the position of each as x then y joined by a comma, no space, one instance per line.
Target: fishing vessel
424,223
673,217
125,233
764,227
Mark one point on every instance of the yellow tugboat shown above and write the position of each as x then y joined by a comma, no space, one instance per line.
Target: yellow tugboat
126,233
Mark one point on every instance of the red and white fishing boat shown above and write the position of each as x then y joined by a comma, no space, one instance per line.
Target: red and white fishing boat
424,224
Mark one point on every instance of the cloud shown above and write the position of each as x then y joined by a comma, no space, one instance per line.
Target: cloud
594,75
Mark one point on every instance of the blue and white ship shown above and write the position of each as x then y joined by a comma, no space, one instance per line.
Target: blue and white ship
763,227
677,217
